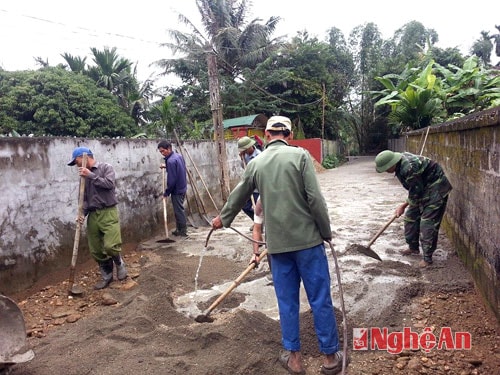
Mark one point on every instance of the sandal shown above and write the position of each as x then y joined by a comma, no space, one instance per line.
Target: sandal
283,358
335,369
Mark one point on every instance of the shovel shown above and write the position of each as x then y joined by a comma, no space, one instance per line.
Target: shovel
13,346
366,249
181,148
165,222
75,289
205,318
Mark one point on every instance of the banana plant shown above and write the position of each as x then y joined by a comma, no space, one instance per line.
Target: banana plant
469,89
414,97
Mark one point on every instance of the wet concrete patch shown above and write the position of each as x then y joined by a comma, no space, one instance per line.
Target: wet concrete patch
360,202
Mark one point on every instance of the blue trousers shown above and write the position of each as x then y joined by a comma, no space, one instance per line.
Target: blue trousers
311,267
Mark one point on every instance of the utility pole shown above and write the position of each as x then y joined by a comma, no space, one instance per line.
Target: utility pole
216,108
323,114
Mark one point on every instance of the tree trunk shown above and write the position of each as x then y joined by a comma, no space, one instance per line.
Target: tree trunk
216,108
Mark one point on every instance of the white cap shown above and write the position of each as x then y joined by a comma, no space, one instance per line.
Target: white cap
279,123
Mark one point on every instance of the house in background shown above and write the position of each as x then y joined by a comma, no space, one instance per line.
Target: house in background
238,127
255,125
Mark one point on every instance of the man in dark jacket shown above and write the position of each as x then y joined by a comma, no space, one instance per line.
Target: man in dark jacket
428,190
176,185
103,224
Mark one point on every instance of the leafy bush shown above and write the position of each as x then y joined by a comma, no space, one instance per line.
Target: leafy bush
331,161
55,102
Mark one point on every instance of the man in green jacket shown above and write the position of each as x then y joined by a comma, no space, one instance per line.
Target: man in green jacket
428,190
297,224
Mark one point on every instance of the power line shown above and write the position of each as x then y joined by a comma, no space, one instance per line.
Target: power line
96,33
86,31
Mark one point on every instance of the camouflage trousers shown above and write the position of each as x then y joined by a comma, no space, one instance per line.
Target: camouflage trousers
422,223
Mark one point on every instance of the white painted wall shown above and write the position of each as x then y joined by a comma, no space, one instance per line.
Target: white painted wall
39,197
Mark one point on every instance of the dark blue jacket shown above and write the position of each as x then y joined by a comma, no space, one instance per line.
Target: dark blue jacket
176,175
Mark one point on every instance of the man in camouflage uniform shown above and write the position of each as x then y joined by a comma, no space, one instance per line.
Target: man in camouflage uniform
428,190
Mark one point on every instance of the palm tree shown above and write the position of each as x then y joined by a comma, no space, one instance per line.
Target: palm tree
76,64
228,44
115,74
496,37
235,43
111,71
166,117
482,48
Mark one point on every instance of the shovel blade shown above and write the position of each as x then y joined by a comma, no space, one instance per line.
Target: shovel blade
13,345
75,290
369,252
365,251
203,318
166,240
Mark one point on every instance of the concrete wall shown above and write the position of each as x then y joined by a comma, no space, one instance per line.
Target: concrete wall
39,198
331,148
469,151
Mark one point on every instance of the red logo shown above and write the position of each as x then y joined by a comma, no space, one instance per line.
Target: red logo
360,339
375,338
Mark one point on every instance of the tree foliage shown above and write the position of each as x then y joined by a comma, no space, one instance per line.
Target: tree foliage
483,46
235,43
357,91
427,95
306,80
115,74
53,101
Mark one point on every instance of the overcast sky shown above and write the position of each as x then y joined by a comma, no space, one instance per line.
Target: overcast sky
46,29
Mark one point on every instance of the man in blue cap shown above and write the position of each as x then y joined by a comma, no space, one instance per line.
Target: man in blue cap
103,223
428,190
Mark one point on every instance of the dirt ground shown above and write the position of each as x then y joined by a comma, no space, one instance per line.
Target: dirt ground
141,325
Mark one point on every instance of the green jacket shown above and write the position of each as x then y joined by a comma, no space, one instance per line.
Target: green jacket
295,210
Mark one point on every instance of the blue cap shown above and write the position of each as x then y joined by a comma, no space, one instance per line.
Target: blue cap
77,152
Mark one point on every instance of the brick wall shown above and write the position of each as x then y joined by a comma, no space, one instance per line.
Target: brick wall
469,151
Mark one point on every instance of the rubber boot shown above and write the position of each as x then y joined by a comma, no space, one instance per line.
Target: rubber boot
121,270
181,231
176,232
106,268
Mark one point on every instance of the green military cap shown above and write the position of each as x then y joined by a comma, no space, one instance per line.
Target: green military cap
386,159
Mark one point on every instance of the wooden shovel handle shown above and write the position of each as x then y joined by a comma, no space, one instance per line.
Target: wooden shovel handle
181,148
381,231
76,242
235,283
